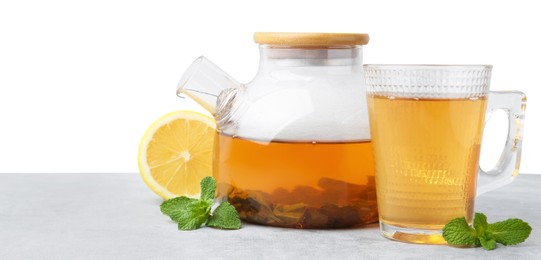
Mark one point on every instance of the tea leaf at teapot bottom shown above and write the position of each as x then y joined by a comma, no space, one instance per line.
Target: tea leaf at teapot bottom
307,207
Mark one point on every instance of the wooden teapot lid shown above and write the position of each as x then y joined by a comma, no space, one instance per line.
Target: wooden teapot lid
310,39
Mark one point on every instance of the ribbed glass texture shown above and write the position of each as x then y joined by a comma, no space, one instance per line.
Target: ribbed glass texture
428,81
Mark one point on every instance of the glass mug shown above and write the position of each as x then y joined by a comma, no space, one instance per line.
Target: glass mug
426,124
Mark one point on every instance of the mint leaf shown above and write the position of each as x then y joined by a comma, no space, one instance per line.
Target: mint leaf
208,189
489,244
458,232
197,213
510,232
176,207
192,213
188,213
480,224
225,216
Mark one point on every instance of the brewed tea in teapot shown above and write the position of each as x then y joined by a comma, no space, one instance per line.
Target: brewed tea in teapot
292,147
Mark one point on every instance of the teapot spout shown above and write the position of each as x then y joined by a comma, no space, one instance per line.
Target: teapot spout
203,81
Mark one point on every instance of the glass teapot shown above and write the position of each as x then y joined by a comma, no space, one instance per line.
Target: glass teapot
293,147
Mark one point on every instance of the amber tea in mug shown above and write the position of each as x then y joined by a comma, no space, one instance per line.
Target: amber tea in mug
435,145
427,125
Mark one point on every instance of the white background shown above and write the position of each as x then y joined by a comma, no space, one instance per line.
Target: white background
80,81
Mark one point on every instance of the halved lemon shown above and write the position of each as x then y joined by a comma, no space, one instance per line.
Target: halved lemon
175,153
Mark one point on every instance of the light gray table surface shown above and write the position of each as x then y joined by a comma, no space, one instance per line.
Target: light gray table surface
115,216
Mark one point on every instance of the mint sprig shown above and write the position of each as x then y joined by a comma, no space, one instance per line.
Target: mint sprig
508,232
191,213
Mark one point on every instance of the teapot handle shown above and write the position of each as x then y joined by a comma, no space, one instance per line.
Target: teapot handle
506,169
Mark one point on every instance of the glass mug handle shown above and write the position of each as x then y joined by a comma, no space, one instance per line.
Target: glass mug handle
506,169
